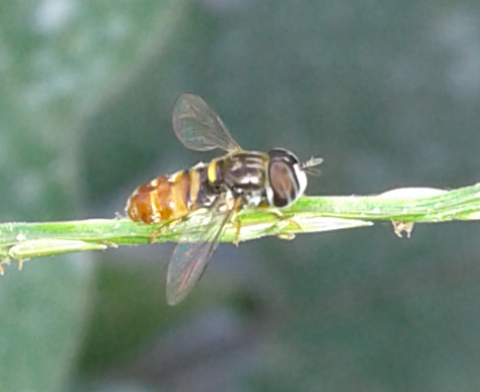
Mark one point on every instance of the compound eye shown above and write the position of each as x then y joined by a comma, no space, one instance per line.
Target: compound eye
282,180
284,155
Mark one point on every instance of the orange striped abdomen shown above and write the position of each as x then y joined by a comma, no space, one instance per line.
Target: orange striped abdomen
161,199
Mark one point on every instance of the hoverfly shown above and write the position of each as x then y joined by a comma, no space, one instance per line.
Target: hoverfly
223,187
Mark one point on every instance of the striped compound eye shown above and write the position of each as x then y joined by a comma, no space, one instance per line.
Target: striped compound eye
286,178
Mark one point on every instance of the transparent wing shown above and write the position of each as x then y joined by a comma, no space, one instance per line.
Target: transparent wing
198,127
189,260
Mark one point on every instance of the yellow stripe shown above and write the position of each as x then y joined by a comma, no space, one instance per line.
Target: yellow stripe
178,194
194,186
211,174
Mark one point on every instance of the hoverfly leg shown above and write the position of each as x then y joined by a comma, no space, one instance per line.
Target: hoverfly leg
282,218
166,226
236,222
154,235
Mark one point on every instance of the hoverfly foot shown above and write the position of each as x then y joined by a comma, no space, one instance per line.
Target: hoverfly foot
236,237
166,226
155,234
297,225
158,231
286,236
285,220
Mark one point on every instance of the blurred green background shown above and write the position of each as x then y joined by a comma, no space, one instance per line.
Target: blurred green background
387,92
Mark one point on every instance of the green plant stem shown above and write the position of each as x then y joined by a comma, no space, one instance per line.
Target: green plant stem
21,241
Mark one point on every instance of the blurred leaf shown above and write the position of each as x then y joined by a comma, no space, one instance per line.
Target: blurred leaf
57,60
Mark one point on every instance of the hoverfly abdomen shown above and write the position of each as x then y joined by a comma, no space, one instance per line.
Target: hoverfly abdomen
150,202
161,199
202,193
171,197
216,173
